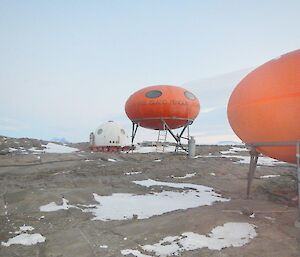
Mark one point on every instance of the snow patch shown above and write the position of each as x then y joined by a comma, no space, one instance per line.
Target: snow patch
252,216
270,218
188,175
229,235
262,160
122,206
234,150
133,173
154,149
270,176
25,239
55,207
55,148
35,150
135,253
26,228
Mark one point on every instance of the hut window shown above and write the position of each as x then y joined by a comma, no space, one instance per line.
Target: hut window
99,132
153,94
189,95
123,131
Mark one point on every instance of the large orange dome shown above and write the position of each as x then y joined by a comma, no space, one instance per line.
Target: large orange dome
265,106
150,105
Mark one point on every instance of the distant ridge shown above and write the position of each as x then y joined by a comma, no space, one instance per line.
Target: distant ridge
60,140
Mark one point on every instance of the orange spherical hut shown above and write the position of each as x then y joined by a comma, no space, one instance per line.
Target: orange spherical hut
265,106
149,106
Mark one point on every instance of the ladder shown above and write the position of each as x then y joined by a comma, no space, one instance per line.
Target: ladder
161,140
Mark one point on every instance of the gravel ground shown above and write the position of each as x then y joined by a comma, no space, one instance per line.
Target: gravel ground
30,181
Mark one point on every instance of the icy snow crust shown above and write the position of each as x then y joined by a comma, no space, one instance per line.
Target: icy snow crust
122,206
229,235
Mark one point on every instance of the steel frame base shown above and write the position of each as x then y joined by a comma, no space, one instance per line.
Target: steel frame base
111,149
177,137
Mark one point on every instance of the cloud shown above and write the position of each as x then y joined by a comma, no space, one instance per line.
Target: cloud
209,109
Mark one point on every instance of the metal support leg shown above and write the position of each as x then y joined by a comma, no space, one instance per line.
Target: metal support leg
177,137
297,222
187,126
133,133
181,133
253,163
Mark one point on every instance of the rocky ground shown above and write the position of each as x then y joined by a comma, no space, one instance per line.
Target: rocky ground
19,145
29,181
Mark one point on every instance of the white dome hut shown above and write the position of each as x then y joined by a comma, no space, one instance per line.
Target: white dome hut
109,136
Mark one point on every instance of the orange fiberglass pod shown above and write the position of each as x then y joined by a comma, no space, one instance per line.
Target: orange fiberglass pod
265,106
155,107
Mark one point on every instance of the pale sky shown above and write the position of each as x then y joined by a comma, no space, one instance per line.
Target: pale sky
68,66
